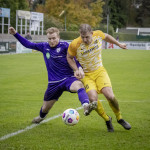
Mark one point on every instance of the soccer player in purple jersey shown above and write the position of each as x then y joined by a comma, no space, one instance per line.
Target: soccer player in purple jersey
60,75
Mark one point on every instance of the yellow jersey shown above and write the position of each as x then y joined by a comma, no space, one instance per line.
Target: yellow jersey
89,56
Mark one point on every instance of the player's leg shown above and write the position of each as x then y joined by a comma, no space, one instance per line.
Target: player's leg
93,96
52,94
108,93
105,87
91,89
94,83
77,86
47,105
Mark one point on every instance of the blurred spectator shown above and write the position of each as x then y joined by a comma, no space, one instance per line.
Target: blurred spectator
117,38
28,36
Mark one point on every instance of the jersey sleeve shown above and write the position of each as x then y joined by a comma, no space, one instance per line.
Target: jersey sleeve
66,45
28,44
101,34
72,50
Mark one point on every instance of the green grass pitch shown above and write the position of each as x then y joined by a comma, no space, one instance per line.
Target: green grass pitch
23,81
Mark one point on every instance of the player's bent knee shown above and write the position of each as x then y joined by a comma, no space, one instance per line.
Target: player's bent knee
80,84
93,98
110,97
76,86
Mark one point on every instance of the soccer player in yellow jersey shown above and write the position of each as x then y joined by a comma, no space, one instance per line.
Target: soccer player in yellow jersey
87,49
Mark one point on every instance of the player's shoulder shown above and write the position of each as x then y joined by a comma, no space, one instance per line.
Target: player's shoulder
43,44
99,33
76,41
63,43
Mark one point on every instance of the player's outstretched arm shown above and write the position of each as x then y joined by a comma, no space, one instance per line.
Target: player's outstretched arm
24,41
110,39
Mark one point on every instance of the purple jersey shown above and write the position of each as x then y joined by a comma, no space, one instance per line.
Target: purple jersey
55,58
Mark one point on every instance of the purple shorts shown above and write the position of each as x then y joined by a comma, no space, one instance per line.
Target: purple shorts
55,90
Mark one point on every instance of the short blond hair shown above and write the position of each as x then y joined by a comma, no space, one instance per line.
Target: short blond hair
84,28
52,30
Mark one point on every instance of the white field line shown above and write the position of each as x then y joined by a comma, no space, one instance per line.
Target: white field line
32,126
48,119
136,101
18,53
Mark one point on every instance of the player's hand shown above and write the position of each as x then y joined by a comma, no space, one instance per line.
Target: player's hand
79,74
12,31
123,45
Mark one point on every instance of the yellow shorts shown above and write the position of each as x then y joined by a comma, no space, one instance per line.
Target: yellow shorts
96,80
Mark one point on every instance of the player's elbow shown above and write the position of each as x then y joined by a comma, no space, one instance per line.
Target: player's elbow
69,57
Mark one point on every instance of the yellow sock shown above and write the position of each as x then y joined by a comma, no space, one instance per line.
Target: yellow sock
115,107
100,111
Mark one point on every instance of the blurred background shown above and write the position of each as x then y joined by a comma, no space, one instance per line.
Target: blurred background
127,20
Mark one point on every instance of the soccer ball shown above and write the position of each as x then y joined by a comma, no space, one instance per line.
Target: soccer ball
70,117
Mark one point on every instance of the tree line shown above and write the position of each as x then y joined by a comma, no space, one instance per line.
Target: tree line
94,12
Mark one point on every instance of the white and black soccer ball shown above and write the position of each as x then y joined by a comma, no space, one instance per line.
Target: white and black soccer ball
70,117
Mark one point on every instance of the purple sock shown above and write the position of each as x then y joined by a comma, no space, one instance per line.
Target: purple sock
83,97
42,115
